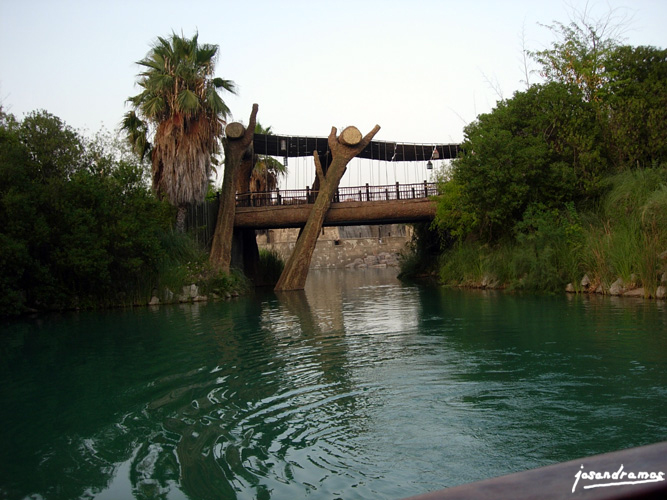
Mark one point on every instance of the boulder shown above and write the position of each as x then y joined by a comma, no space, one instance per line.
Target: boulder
154,301
585,282
661,292
636,292
370,260
617,287
489,281
569,288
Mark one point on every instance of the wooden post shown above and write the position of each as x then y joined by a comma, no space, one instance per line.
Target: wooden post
398,192
296,269
235,148
425,190
368,193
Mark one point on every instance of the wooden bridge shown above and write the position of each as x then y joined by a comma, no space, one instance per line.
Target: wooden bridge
389,204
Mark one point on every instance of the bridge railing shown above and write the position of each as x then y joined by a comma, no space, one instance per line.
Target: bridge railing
343,194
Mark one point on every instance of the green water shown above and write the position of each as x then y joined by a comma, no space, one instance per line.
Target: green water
361,387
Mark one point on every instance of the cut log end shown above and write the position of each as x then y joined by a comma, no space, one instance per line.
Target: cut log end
350,136
234,130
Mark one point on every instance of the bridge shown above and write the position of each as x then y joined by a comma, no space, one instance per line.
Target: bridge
389,204
384,204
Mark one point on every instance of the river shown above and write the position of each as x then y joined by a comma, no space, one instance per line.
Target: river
359,387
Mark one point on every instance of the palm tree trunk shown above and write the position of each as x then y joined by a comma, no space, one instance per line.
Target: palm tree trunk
181,216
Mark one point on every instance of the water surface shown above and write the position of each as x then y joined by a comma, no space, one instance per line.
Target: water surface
359,387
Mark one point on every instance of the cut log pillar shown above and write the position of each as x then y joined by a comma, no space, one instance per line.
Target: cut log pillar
295,273
235,148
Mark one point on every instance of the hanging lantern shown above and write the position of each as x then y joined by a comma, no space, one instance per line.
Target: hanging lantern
429,165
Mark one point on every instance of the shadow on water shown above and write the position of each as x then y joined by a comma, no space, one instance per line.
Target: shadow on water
358,387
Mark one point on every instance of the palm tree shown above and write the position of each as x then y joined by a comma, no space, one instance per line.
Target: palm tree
180,105
267,170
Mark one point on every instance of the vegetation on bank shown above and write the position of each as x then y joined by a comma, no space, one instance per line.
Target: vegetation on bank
80,227
564,180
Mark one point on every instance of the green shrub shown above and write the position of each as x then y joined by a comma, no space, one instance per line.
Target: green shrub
271,266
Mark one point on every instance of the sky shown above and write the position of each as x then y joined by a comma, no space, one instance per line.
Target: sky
421,69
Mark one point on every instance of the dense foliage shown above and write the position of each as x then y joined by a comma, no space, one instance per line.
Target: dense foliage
530,202
76,224
79,224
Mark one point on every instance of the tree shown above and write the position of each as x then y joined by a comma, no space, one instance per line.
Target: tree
78,223
543,146
266,170
580,53
181,105
637,106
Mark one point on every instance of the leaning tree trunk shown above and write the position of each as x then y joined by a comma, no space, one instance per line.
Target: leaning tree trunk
343,149
235,143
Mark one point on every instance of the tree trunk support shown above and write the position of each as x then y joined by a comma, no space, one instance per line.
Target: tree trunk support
296,270
234,147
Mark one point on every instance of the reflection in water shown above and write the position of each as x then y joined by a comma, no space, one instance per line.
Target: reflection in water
358,387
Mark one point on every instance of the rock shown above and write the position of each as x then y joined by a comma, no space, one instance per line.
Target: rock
371,260
663,255
489,281
661,292
199,298
194,291
599,289
569,288
617,287
636,292
585,282
154,301
351,265
663,278
167,295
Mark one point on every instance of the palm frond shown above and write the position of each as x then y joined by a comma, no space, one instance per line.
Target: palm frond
188,102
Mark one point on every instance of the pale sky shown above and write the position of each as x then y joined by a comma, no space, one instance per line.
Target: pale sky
421,69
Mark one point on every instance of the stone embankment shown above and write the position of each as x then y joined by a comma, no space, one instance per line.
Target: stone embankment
189,293
620,288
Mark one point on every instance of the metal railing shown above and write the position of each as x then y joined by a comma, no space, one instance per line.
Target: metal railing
343,194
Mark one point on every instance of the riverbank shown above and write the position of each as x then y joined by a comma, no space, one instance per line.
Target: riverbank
617,247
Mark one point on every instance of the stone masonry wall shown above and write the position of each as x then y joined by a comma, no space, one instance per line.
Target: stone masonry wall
377,246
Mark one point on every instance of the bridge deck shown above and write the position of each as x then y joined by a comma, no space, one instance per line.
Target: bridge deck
351,206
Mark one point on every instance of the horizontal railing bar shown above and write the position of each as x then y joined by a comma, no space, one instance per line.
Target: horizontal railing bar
363,193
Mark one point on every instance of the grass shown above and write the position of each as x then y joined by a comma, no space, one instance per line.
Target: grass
271,266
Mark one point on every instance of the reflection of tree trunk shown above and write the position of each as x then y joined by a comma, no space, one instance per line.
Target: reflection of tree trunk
235,147
342,151
201,475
